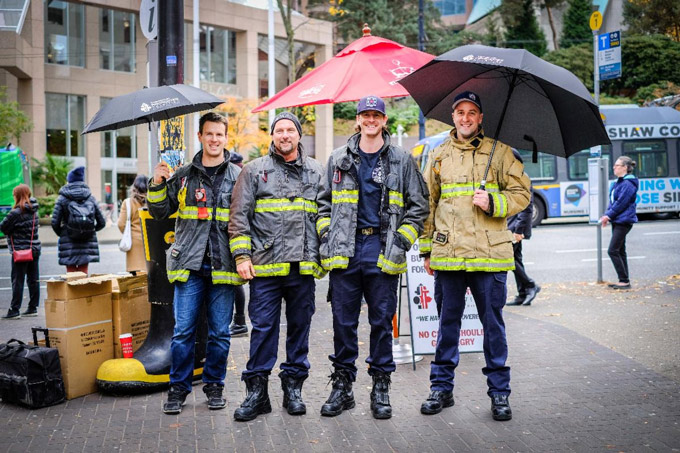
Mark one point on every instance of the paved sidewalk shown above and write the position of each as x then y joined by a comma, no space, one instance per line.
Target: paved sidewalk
109,234
570,393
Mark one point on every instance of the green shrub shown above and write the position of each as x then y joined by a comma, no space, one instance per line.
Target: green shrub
46,205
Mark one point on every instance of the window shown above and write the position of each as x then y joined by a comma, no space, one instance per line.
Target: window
651,157
64,33
217,54
450,7
578,163
13,14
121,142
116,40
65,121
543,170
303,54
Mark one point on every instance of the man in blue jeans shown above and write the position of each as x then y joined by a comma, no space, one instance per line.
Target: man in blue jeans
199,262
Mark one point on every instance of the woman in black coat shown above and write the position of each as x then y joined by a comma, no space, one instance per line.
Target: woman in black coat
21,228
76,251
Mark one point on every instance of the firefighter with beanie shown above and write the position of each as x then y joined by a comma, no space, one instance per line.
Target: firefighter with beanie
466,243
372,206
273,238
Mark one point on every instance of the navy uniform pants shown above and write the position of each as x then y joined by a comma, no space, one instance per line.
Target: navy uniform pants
489,290
363,278
264,310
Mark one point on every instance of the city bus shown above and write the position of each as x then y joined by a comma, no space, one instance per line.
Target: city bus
648,135
14,170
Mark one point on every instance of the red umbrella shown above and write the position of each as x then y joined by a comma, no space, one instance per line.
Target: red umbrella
369,65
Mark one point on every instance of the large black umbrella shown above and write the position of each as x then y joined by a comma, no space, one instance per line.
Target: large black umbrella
540,106
151,104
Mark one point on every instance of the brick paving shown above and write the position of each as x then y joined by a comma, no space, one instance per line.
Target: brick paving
569,394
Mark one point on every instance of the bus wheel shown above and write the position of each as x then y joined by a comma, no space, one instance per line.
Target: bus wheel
538,213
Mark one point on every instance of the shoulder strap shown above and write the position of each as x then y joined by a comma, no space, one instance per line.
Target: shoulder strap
127,205
32,231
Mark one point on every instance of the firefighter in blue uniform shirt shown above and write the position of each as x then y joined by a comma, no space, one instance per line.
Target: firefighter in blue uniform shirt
372,206
467,242
273,238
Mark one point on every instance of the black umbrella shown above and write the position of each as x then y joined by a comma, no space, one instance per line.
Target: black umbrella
151,104
540,106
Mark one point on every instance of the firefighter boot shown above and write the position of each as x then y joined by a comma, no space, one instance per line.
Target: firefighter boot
257,399
341,397
380,398
292,394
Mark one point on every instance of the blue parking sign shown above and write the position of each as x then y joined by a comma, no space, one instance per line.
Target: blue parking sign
609,55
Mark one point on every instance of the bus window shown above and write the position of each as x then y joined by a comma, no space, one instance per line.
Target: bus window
650,155
577,164
543,170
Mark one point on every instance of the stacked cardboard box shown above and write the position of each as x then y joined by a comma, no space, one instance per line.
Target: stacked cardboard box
131,310
78,316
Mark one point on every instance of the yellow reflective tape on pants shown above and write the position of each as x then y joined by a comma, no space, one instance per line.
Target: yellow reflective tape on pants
156,196
272,270
408,232
181,275
311,268
390,267
396,198
345,196
335,262
472,264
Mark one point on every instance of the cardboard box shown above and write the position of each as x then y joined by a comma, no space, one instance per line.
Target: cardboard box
82,349
131,314
66,287
76,312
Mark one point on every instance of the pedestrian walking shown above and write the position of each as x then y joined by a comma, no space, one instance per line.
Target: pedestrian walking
199,262
372,206
21,227
273,238
520,225
135,258
76,220
622,215
466,243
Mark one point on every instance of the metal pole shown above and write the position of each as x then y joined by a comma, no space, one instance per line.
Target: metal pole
271,70
596,88
170,42
152,81
196,61
421,47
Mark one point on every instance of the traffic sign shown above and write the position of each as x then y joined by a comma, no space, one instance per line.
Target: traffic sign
148,18
609,55
595,21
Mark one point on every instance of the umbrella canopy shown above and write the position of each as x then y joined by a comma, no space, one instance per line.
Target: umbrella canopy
369,65
151,104
539,105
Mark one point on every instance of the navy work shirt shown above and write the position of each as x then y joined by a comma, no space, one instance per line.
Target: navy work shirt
370,191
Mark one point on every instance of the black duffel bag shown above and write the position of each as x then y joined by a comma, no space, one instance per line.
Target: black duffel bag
30,375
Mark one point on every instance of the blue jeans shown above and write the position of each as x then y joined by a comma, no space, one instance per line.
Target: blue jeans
219,301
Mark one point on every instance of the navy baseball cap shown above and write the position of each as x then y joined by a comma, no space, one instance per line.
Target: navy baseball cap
467,96
371,103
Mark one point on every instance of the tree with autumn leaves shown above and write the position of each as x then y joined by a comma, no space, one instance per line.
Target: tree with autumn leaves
245,134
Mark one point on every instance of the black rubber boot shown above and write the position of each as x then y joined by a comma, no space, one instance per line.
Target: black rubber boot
341,397
292,394
380,397
257,399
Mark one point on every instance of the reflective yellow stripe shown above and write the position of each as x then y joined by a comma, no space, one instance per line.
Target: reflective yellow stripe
500,205
321,223
191,212
390,267
181,275
465,189
240,243
408,232
396,198
230,278
335,262
156,196
345,196
222,214
285,204
425,245
472,264
272,270
311,268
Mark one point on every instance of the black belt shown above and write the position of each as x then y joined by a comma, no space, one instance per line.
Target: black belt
368,231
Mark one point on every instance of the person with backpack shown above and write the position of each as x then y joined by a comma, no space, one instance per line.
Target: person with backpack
21,228
76,219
